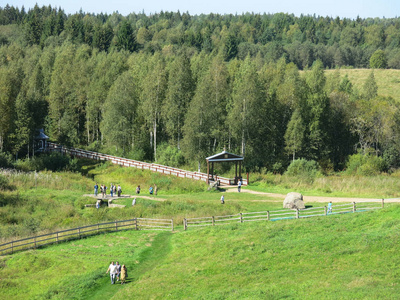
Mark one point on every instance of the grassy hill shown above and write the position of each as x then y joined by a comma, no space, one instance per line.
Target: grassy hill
387,80
351,256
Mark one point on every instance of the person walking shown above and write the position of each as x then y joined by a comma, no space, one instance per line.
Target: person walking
111,190
113,271
96,189
239,185
119,190
124,274
138,190
151,190
330,207
118,270
222,199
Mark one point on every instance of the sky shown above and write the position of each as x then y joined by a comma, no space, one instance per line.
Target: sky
332,8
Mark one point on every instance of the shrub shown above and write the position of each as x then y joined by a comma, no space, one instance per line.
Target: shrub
303,167
378,60
5,160
170,156
53,162
366,165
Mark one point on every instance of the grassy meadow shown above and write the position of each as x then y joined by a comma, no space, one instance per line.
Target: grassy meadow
349,256
387,80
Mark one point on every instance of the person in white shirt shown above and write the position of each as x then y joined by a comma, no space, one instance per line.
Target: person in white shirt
113,271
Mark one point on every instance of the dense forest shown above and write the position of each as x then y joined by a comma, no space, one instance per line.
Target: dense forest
176,88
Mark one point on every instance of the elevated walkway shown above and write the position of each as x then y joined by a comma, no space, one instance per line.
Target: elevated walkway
125,162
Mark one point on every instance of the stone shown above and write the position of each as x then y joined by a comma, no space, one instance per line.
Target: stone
213,185
294,201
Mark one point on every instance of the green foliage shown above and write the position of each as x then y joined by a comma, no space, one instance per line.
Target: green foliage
302,167
52,162
366,165
378,60
169,155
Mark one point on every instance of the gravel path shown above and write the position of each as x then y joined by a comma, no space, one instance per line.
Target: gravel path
233,189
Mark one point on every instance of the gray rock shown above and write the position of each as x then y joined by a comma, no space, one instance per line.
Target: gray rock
294,201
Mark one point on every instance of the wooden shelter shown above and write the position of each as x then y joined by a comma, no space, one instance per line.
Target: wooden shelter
224,157
40,139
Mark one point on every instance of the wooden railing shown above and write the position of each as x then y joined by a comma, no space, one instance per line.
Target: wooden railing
84,231
281,214
137,164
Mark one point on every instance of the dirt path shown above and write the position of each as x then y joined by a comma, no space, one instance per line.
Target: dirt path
108,197
233,189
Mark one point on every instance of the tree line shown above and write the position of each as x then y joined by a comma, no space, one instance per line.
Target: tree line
180,104
302,40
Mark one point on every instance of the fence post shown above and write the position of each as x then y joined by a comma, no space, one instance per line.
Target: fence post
267,215
325,211
241,217
184,224
136,227
57,238
213,221
34,240
383,200
354,207
116,226
297,213
172,224
79,232
12,247
98,228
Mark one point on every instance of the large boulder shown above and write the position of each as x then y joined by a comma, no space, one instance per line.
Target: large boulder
294,201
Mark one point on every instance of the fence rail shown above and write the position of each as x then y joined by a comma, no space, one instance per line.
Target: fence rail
84,231
137,164
281,214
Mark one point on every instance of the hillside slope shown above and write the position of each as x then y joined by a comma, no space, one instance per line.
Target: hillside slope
387,80
337,257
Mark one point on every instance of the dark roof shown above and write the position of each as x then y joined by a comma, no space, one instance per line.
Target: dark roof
224,156
41,135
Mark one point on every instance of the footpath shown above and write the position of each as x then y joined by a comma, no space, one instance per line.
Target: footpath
322,199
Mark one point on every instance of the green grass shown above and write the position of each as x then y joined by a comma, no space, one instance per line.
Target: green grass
387,80
350,256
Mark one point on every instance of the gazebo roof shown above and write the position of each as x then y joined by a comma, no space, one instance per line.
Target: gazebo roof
41,135
224,156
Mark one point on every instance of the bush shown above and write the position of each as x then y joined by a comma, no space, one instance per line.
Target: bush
303,167
5,160
52,162
170,156
366,165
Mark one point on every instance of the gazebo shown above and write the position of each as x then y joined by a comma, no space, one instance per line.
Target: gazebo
41,141
224,157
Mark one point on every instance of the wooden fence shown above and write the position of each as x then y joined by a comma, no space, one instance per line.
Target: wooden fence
137,164
281,214
84,231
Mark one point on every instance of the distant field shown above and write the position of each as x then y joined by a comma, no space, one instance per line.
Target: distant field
388,81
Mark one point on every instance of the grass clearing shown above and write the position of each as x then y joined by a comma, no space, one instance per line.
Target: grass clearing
346,256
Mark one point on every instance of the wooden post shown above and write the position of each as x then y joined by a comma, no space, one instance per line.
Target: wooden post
241,217
325,211
248,178
213,221
57,238
79,232
98,229
116,226
208,172
184,224
354,207
136,226
297,213
383,200
172,224
12,247
267,215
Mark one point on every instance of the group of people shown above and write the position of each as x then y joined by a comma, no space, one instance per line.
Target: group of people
117,272
103,190
151,190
